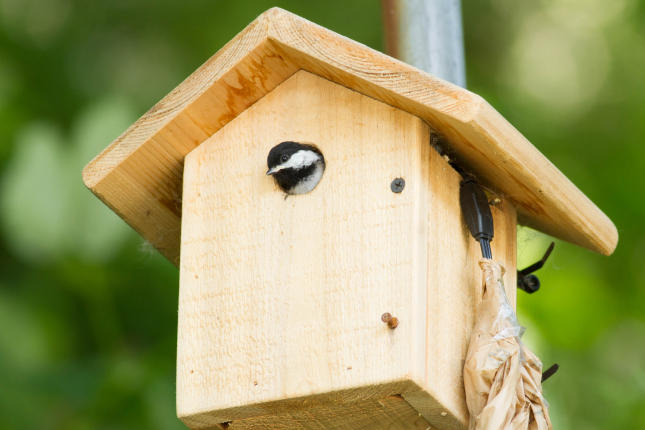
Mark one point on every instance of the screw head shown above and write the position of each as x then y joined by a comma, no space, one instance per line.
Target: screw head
397,185
392,322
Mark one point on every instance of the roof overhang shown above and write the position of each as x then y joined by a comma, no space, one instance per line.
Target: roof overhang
139,175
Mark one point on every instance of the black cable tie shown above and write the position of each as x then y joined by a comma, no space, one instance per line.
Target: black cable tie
528,282
550,372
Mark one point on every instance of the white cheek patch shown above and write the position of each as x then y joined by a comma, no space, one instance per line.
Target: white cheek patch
300,159
309,183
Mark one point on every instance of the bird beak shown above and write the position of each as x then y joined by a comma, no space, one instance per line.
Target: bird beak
273,170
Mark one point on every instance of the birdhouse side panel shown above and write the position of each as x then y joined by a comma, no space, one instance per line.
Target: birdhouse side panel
454,289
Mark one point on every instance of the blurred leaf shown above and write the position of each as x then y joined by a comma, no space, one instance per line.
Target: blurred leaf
35,198
48,212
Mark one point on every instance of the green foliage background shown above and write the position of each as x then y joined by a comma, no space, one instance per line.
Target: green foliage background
88,313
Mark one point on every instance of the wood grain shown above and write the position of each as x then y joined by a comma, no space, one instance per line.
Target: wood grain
139,174
388,413
281,299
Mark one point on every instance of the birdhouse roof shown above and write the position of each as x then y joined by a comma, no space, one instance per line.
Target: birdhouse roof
139,175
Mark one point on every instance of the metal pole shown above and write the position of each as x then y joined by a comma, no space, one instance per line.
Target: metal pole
428,35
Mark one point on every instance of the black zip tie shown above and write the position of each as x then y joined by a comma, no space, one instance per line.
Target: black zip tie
528,282
550,372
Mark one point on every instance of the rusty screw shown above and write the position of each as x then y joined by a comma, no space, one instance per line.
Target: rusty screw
392,322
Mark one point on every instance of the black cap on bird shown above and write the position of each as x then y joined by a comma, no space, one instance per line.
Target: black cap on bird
296,167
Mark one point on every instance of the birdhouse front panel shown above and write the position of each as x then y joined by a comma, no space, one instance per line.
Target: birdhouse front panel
282,297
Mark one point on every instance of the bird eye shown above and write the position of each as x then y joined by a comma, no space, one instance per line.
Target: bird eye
284,158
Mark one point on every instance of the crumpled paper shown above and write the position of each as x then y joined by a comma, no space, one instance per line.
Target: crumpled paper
501,376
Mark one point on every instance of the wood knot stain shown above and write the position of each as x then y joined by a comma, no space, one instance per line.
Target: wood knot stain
172,204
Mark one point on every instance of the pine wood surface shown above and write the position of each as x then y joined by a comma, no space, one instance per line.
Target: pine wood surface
139,174
387,413
281,299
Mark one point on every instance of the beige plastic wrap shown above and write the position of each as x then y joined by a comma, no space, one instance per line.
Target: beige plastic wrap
501,376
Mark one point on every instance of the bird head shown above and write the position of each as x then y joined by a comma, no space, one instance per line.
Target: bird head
292,155
296,167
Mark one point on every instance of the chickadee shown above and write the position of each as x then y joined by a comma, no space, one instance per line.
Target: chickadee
296,167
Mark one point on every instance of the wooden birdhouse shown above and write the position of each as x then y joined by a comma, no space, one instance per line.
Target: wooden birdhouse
281,300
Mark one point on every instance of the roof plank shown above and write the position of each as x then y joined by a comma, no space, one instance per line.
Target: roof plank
139,175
